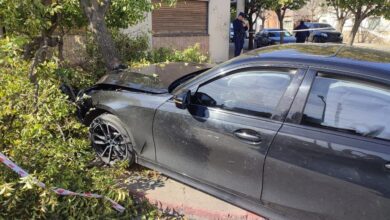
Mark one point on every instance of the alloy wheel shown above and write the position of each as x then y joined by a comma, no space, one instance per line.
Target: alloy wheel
108,142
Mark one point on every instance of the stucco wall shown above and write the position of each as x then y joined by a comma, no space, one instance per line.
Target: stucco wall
219,23
240,6
142,28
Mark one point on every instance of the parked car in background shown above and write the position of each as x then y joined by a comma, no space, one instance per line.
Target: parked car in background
325,33
231,32
293,131
270,36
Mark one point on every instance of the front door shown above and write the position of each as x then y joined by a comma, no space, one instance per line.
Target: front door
223,136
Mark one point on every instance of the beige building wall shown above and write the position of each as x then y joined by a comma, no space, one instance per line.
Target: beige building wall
219,24
142,28
240,6
215,43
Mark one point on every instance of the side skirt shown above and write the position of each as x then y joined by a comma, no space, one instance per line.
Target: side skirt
241,202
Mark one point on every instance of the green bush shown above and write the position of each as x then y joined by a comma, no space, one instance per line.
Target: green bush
191,54
39,132
135,52
131,49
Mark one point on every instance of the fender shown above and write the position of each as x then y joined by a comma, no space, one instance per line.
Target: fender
136,111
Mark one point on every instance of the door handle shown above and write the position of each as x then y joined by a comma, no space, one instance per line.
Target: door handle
248,136
387,165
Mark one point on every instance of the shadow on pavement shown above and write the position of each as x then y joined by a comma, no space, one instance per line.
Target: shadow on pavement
140,179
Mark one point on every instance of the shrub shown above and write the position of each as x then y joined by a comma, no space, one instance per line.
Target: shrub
131,49
39,132
135,52
191,54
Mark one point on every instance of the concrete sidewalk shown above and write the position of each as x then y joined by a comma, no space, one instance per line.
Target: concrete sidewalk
177,199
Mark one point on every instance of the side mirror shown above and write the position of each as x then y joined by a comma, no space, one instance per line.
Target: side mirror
183,99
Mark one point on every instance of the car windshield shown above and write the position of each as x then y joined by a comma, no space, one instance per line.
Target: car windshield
277,34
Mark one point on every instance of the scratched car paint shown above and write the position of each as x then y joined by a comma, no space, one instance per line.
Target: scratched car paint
249,131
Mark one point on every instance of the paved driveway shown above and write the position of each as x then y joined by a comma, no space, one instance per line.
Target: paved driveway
179,200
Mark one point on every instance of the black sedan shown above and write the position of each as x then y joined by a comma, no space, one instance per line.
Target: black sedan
288,131
323,33
271,36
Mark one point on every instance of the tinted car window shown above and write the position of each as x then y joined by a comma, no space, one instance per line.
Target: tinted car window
326,26
351,106
277,34
273,34
250,92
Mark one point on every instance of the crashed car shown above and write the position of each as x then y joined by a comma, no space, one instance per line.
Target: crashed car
288,131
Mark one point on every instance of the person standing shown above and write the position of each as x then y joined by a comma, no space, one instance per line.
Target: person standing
301,33
239,27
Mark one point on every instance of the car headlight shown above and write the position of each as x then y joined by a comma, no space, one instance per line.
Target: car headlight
323,35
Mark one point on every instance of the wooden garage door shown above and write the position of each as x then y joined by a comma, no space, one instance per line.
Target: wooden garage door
186,18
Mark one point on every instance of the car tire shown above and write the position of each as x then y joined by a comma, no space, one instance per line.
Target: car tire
110,140
317,40
258,45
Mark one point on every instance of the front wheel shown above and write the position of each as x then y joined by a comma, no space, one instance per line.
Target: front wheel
110,140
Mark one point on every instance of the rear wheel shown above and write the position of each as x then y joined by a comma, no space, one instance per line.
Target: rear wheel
110,140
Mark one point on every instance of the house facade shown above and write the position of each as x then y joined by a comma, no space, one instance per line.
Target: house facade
203,22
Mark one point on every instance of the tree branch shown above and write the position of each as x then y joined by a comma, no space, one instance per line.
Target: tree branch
32,76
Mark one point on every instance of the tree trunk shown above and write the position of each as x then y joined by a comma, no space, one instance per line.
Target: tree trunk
250,38
280,19
355,28
2,32
262,23
61,48
340,24
282,32
95,12
105,43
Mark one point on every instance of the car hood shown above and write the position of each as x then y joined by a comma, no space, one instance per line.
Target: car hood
153,78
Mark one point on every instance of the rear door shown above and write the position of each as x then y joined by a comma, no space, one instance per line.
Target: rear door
331,158
223,136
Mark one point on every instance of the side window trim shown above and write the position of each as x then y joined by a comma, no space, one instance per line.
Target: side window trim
286,100
295,113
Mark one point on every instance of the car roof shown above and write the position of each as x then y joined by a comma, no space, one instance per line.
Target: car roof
272,29
330,56
316,23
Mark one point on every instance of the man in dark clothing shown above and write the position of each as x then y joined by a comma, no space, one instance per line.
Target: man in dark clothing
301,33
239,28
